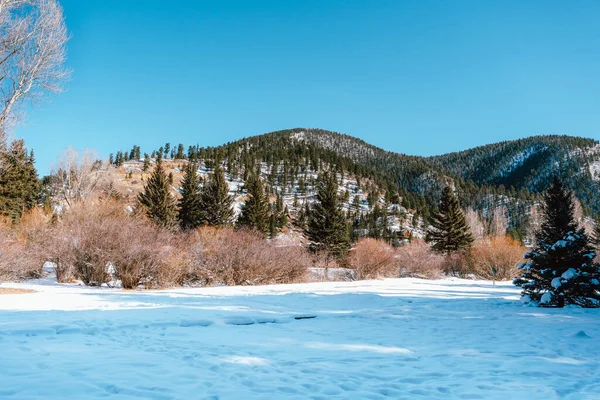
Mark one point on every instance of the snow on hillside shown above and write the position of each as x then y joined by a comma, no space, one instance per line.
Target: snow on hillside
293,196
396,338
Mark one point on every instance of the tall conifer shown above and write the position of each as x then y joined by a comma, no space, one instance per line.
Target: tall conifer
157,200
327,229
255,210
189,205
215,200
19,185
560,270
449,232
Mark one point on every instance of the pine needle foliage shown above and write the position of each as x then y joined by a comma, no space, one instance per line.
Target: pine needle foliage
190,206
449,230
255,210
19,185
157,200
215,201
560,270
327,230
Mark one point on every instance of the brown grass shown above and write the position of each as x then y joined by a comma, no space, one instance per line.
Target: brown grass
15,291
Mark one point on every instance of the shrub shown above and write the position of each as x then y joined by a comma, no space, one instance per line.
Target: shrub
502,253
17,262
373,259
230,257
416,259
97,238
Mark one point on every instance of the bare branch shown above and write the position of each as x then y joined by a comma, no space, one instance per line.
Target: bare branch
33,38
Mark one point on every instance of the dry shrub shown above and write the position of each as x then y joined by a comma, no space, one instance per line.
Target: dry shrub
502,253
372,259
17,261
95,239
416,259
230,257
457,264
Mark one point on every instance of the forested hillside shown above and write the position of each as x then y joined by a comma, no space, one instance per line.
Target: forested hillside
383,189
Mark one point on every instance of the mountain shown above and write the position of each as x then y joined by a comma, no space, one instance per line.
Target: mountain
530,164
503,178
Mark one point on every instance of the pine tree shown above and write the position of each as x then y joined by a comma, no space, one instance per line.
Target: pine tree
560,270
215,200
255,210
19,185
450,231
157,200
189,205
146,162
327,230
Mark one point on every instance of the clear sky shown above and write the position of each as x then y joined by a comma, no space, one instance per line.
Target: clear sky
417,77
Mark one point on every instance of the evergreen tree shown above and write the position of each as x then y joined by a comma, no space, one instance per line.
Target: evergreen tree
255,210
450,231
157,200
146,162
560,270
19,185
327,230
215,200
189,205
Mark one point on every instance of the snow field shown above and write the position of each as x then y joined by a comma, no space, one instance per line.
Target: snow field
395,338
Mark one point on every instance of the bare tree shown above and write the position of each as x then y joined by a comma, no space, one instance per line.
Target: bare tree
33,38
76,176
498,221
475,224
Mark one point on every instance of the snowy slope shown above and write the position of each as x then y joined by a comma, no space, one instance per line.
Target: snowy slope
397,338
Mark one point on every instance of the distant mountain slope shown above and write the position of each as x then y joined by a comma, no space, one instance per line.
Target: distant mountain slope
530,164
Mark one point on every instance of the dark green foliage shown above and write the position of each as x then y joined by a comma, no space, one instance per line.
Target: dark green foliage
449,232
508,174
560,270
215,200
146,162
190,206
157,199
558,210
19,185
327,230
255,210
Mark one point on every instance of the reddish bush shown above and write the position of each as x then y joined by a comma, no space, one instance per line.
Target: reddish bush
230,257
501,252
372,259
416,259
17,261
95,239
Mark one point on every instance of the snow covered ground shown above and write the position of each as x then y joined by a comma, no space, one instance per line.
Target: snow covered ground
397,338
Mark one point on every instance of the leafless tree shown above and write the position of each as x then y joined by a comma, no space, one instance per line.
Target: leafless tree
33,38
498,221
475,224
76,176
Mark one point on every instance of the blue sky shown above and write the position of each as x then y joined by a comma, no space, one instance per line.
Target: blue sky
417,77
